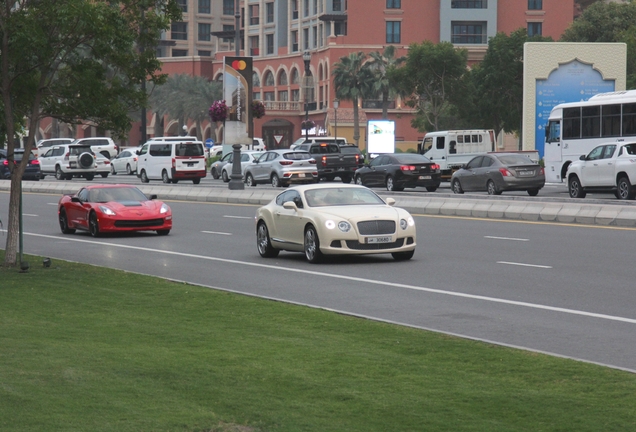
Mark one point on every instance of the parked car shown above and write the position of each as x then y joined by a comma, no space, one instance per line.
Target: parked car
607,168
171,161
499,172
102,165
103,145
281,168
105,208
318,139
352,149
327,219
216,167
69,160
397,171
126,161
331,162
42,145
31,172
247,157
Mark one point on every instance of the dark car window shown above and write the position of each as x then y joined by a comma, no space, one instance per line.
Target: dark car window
609,151
486,162
188,149
347,149
160,150
515,159
297,156
59,151
118,194
77,150
143,150
409,158
377,161
83,195
474,163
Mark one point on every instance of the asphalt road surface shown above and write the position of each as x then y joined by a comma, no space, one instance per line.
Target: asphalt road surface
554,288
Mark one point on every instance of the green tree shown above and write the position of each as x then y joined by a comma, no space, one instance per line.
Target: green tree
430,76
379,65
75,61
352,81
608,22
492,95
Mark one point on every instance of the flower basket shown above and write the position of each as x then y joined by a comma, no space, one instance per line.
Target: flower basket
258,109
218,111
308,124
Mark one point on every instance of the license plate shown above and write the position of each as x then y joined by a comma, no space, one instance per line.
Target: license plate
425,177
301,174
525,173
190,164
72,164
379,239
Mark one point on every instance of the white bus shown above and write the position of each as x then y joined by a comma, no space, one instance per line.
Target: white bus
575,128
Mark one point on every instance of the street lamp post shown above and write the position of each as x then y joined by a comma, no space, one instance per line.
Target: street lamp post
307,59
336,102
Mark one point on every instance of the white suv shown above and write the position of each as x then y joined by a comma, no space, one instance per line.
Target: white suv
68,161
43,145
103,145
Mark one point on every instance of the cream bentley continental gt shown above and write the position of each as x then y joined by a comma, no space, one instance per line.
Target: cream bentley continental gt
329,219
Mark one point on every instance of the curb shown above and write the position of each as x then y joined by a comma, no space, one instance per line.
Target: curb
589,212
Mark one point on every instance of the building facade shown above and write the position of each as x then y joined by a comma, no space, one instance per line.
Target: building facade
276,33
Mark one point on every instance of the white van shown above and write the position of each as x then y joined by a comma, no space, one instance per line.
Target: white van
171,161
453,148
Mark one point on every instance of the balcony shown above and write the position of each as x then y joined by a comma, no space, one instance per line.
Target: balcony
283,105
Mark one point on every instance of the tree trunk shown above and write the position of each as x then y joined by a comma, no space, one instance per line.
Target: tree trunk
385,105
356,122
13,225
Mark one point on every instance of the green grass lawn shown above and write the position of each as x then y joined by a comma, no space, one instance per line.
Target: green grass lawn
84,348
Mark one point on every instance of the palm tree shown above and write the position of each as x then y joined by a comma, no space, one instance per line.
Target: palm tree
352,81
379,65
186,97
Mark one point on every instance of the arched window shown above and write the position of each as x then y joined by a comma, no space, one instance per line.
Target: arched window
268,79
282,78
295,79
256,80
320,72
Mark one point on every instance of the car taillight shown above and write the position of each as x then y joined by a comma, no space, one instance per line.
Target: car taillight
34,162
5,162
504,172
323,160
106,162
66,155
435,167
174,163
285,162
541,171
407,167
312,161
135,159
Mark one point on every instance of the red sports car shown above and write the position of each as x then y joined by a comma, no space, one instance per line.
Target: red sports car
113,208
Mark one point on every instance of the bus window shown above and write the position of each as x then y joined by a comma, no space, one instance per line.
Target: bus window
611,115
629,119
571,123
591,122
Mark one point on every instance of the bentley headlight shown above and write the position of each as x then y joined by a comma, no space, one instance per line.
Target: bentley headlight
344,226
330,224
405,223
164,209
107,211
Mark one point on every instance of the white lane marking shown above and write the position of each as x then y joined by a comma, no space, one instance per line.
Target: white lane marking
351,278
217,232
32,215
238,217
52,204
524,265
506,238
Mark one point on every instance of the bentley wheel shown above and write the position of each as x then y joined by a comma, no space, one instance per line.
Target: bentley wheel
312,246
93,225
64,223
263,242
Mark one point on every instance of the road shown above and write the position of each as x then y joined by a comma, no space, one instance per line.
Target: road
554,288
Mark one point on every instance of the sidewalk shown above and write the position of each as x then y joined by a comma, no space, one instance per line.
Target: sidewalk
592,212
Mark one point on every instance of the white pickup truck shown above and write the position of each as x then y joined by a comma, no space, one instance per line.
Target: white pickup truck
607,168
